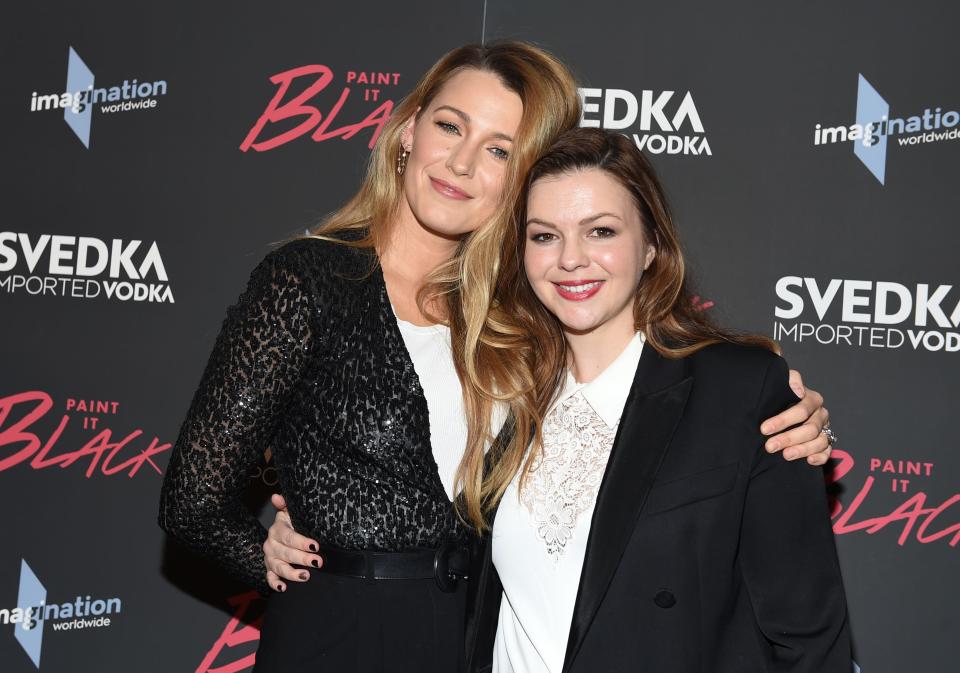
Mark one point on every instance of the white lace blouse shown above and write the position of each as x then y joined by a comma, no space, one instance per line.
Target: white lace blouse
540,535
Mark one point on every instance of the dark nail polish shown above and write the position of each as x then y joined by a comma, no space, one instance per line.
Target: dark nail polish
304,576
280,587
315,563
313,547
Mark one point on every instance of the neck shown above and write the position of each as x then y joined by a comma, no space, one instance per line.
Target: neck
412,250
410,254
592,352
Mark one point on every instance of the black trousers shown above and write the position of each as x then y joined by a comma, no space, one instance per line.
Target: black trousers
338,624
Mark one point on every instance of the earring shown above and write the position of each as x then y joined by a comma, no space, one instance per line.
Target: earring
402,160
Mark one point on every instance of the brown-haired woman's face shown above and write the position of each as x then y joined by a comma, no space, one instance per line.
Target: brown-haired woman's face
585,251
458,149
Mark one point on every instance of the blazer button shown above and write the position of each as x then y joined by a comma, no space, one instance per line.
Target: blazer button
665,599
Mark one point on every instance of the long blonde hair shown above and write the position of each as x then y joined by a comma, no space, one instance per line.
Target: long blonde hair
463,288
550,105
523,337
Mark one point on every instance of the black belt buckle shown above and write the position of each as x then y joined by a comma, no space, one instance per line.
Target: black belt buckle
446,577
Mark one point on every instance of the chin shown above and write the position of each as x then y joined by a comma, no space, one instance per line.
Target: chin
578,324
441,223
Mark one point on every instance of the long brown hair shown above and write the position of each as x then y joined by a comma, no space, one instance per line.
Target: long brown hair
526,339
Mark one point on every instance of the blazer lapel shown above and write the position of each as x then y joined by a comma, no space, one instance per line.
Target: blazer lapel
650,417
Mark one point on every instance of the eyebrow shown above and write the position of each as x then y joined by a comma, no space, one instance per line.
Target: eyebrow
586,220
466,118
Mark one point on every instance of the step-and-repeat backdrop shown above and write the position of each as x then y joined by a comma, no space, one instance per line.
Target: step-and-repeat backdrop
810,149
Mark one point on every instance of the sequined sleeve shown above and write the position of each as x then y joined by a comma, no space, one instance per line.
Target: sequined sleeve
256,363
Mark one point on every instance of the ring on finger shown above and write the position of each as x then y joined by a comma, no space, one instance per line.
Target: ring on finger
830,435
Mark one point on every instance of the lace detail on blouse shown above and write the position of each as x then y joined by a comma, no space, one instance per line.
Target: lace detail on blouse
565,477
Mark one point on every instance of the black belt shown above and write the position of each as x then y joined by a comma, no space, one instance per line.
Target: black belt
446,565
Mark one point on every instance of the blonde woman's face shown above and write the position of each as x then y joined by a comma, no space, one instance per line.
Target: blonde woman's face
585,251
458,153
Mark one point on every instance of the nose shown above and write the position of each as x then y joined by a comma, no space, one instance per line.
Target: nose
462,159
573,254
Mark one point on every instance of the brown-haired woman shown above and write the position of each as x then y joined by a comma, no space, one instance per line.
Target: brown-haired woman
644,528
345,356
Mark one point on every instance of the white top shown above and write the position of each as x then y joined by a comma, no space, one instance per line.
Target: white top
540,537
429,348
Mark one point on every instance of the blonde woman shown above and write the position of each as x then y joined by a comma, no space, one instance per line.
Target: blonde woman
644,528
345,357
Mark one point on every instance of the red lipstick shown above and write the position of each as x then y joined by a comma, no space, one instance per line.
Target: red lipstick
578,290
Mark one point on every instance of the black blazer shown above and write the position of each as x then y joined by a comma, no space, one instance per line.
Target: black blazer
706,554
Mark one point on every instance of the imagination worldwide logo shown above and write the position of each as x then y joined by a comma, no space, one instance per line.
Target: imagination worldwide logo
874,125
33,611
80,98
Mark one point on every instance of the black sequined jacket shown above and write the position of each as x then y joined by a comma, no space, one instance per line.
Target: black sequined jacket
309,362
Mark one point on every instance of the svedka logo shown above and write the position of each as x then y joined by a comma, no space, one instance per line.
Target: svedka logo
872,314
81,98
74,266
296,100
33,611
874,124
659,122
